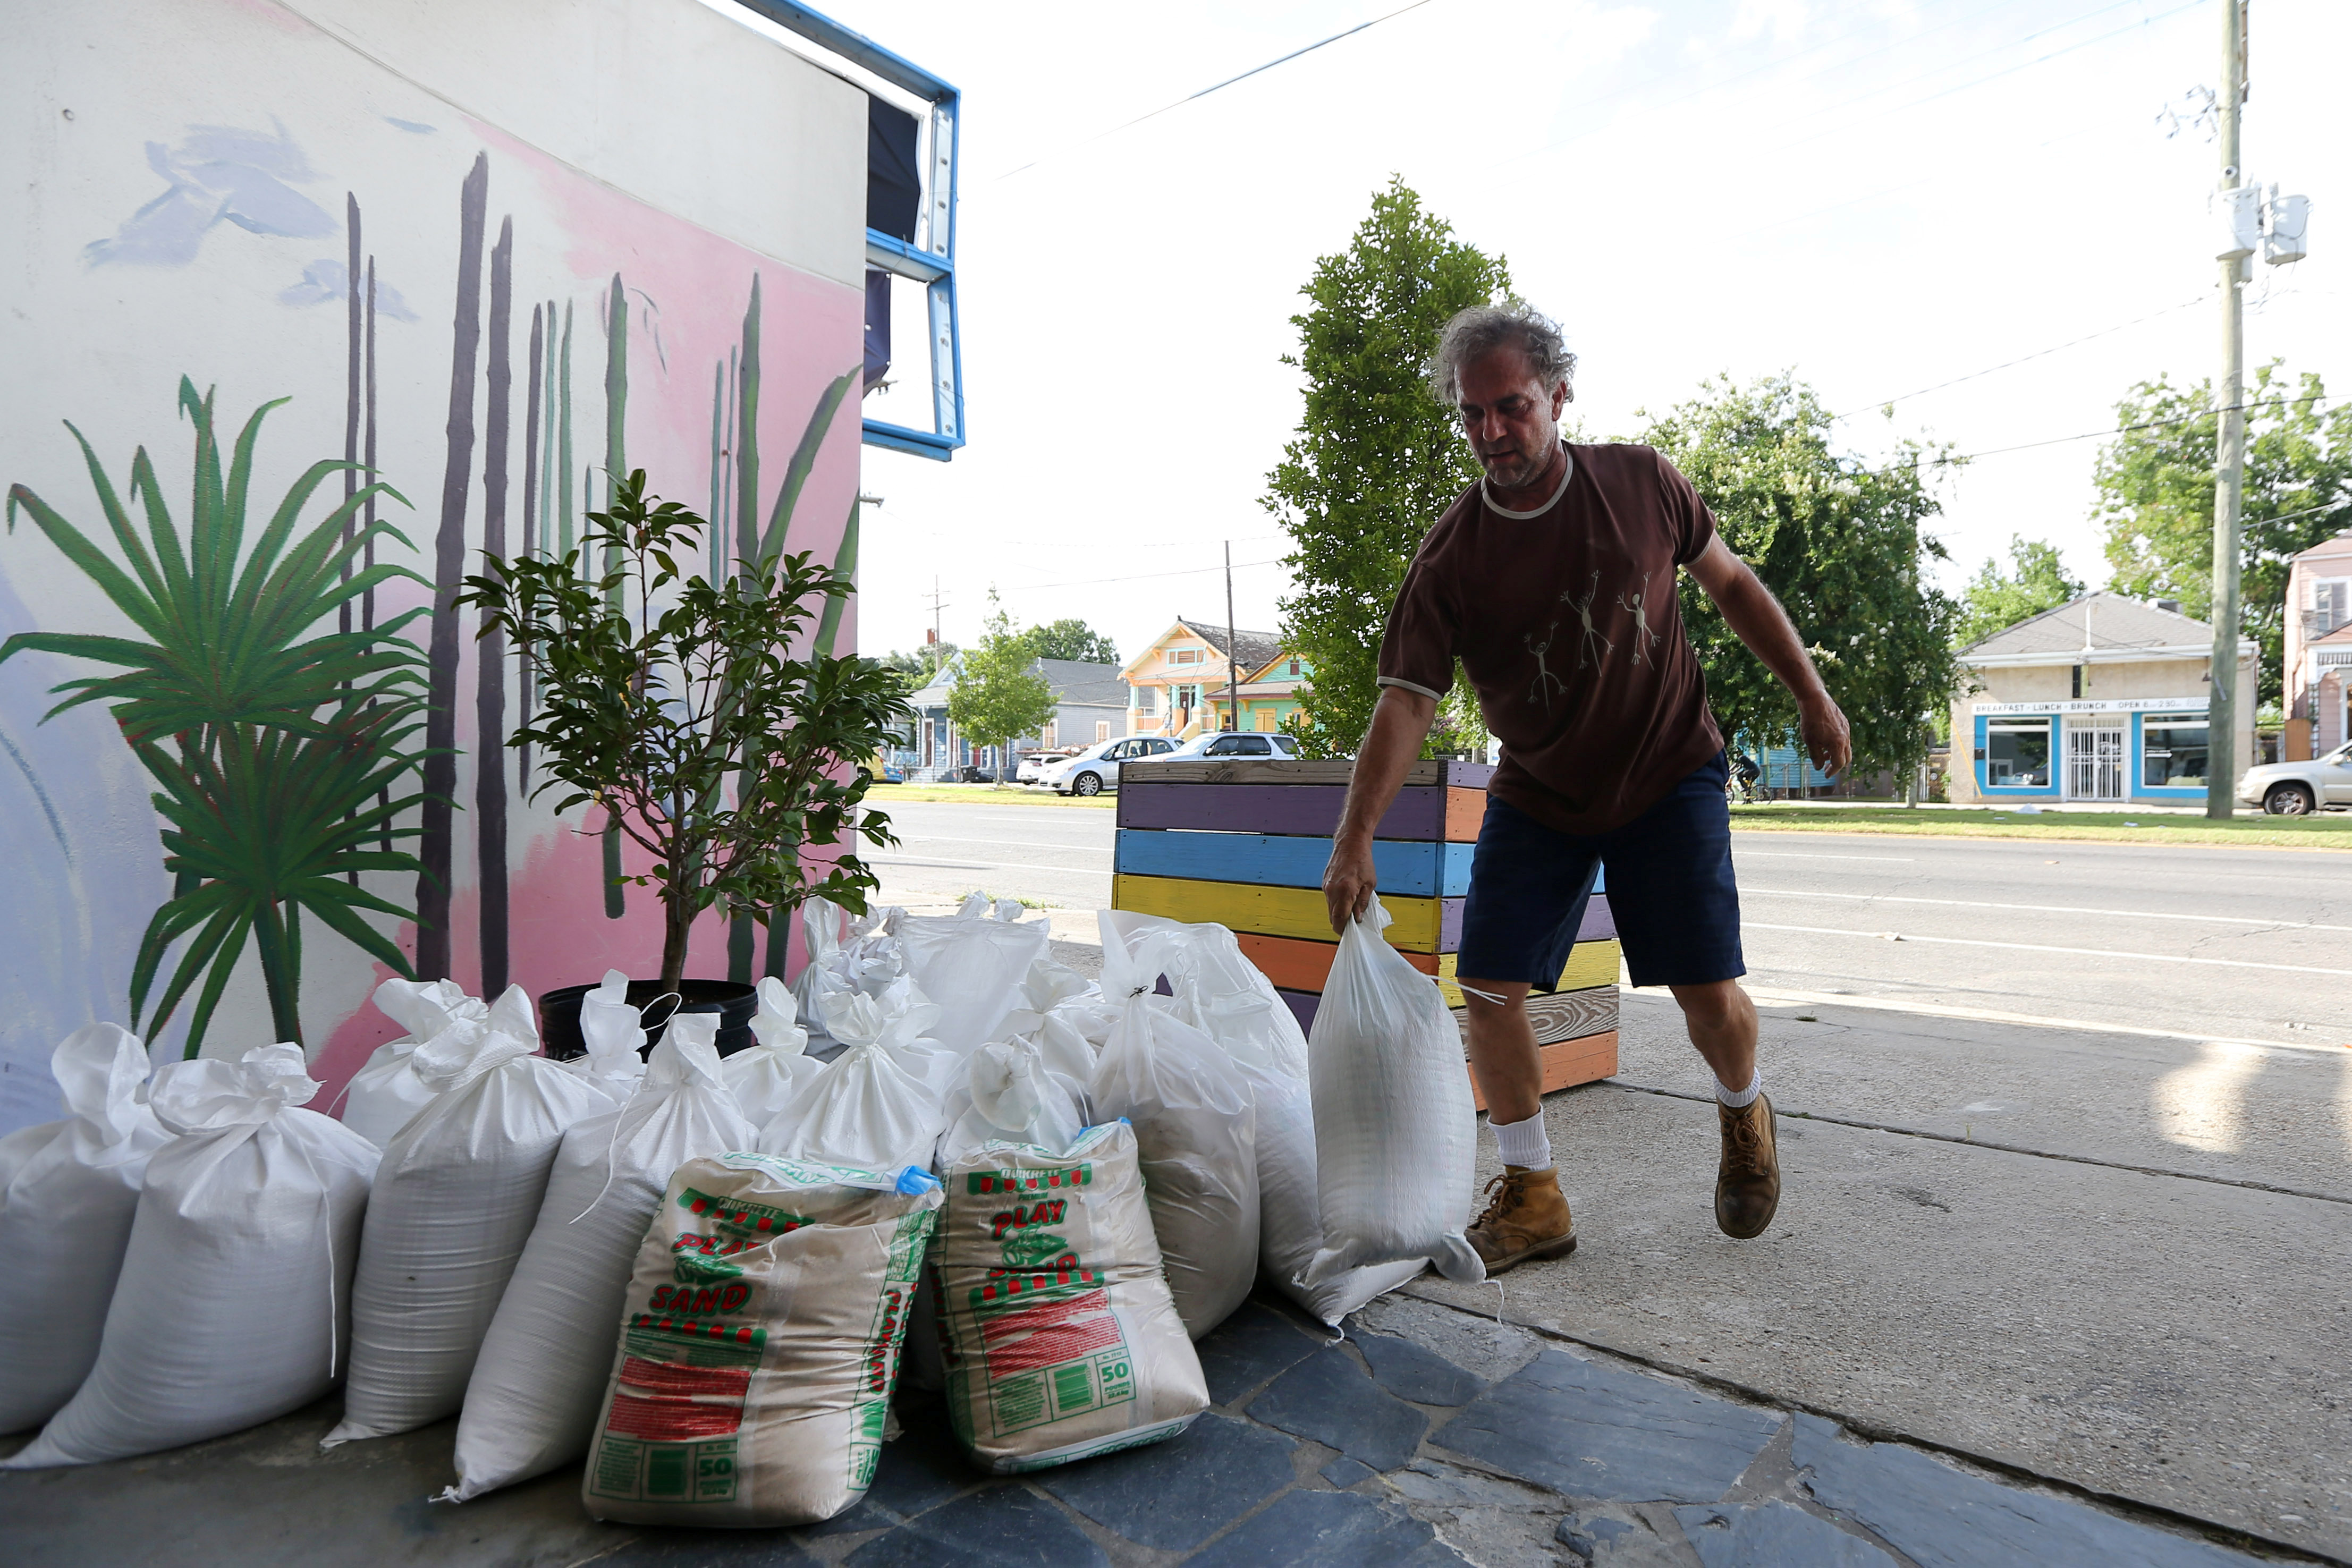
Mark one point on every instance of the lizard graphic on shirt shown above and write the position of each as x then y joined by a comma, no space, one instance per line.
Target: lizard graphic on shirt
1541,691
1591,633
1644,640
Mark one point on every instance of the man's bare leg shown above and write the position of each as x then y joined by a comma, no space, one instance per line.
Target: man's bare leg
1722,1023
1527,1218
1502,1050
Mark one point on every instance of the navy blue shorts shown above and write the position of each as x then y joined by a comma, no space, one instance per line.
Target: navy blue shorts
1669,888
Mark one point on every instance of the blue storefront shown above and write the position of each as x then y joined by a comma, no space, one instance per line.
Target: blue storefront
2146,749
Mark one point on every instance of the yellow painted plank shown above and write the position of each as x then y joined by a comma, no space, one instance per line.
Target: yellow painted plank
1590,964
1272,911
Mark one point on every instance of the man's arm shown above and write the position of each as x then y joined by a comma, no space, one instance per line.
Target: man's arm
1749,609
1400,722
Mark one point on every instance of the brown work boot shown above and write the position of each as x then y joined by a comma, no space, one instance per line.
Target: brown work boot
1527,1219
1748,1184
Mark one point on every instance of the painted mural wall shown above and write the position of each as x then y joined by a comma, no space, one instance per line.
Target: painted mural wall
309,306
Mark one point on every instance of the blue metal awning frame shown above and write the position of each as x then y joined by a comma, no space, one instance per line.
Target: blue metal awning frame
931,261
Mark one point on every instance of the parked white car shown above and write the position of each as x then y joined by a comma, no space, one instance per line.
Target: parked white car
1035,765
1096,769
2298,789
1214,746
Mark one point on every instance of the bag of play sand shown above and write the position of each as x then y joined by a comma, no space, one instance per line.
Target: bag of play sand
68,1192
1060,1338
761,1343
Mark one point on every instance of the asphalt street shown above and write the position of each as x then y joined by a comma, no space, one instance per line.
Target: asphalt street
2232,944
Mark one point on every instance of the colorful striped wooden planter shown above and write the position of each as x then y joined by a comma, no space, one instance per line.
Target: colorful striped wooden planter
1243,845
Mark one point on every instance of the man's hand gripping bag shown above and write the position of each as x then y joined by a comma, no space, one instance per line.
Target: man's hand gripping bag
761,1343
1060,1338
1396,1133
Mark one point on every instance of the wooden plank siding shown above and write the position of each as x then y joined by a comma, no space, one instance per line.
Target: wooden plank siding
1418,925
1422,813
1266,771
1426,870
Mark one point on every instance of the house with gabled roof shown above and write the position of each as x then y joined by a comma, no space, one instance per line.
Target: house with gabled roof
1181,683
2104,698
1091,706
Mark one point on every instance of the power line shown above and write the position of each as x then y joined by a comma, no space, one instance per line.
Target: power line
1218,87
2021,358
1940,462
1137,576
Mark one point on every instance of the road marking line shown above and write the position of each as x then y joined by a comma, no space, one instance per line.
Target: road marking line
2053,909
987,866
1771,995
1025,843
2038,948
1797,855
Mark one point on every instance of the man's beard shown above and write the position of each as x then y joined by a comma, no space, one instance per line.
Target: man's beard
1516,470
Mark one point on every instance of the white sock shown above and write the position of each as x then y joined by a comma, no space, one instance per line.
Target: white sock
1524,1144
1741,1099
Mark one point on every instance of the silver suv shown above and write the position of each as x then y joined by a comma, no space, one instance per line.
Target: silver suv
1228,745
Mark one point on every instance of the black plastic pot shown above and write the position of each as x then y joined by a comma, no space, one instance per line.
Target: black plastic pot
559,1013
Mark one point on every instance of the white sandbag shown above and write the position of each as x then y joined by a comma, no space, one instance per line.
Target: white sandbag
753,1383
614,1035
531,1404
67,1193
1195,1129
232,1307
1221,992
774,1071
848,955
1061,1338
1011,1095
1229,1000
454,1203
386,1091
973,966
1396,1136
878,1105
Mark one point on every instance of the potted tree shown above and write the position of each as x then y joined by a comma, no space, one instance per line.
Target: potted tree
708,743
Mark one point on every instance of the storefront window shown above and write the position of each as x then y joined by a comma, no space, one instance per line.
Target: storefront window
2172,751
2017,754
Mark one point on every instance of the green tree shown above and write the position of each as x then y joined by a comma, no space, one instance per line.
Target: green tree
1993,602
1376,460
999,698
922,664
1072,638
2155,484
1842,547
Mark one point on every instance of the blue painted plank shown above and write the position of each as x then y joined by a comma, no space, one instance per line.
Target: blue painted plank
1418,870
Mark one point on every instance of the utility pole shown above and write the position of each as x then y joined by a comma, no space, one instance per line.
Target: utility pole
1232,647
2230,454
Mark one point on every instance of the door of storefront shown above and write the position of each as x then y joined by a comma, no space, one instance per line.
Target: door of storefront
2094,761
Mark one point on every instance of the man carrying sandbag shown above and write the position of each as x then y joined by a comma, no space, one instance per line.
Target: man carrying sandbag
1553,582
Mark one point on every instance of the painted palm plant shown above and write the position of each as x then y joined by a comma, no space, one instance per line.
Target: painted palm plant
273,751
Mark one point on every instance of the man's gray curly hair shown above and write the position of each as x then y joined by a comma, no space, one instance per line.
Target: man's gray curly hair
1481,330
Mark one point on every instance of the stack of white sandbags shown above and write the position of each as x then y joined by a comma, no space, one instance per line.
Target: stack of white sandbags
230,1307
454,1202
69,1191
848,955
531,1404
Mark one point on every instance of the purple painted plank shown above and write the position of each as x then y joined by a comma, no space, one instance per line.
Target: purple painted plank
1302,1006
1307,810
1598,925
1449,925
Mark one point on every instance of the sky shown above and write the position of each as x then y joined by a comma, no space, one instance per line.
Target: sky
1880,196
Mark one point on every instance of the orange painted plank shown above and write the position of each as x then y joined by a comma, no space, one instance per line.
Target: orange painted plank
1569,1064
1465,811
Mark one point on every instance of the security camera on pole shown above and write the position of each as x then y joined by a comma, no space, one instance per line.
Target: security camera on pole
2276,225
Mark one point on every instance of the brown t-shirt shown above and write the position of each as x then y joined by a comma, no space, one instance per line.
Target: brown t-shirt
1567,622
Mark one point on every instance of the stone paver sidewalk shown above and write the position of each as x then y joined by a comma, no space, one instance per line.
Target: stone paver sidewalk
1429,1436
